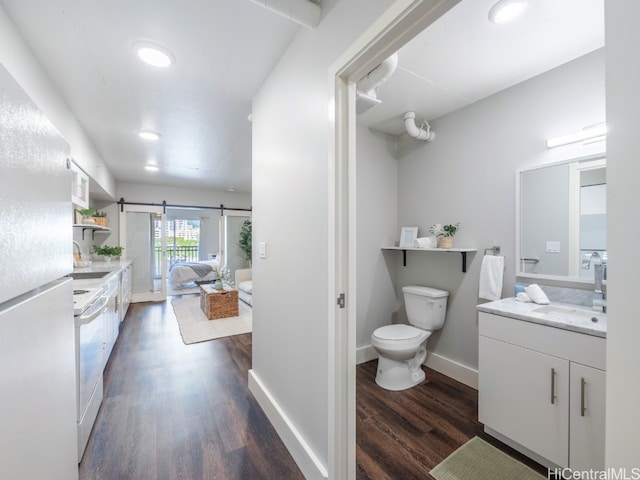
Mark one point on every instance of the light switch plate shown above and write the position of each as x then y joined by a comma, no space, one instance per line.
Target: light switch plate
262,248
553,247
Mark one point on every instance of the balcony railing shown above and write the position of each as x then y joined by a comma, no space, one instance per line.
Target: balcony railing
174,255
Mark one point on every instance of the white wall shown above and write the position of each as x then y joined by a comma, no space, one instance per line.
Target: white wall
377,226
468,175
623,206
290,197
16,56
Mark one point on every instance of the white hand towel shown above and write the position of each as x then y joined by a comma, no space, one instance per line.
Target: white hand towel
536,294
523,297
491,277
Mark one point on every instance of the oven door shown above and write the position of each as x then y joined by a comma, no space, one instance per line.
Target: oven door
90,347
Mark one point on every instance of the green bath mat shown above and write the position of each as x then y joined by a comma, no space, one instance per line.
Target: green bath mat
477,460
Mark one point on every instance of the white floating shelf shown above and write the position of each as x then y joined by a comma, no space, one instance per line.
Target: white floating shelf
93,228
462,251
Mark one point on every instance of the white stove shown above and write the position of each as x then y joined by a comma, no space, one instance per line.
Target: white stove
82,298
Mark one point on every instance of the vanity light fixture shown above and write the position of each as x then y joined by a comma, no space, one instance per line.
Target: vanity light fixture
593,133
153,54
149,135
505,11
151,168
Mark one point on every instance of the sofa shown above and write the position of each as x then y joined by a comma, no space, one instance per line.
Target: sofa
244,284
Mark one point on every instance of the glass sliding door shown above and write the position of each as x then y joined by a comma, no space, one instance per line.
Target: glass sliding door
143,235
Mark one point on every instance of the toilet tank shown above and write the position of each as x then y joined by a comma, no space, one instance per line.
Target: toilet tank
426,306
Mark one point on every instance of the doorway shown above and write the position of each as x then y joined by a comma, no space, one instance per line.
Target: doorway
143,234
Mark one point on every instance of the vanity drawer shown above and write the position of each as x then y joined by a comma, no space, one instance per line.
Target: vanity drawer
577,347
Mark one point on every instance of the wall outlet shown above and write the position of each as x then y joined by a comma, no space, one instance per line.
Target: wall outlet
262,249
553,247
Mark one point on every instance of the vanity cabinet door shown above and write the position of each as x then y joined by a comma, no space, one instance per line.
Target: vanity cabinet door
524,395
586,417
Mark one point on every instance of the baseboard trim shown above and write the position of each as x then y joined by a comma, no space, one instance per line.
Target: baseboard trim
365,354
311,467
452,369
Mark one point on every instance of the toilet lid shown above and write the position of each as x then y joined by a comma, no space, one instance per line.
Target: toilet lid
397,332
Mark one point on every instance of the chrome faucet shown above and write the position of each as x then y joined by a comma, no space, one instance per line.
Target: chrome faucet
600,277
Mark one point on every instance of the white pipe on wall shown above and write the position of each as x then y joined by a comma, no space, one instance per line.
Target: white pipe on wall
415,131
302,12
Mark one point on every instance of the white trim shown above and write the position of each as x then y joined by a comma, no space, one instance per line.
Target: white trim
401,22
452,369
308,462
366,354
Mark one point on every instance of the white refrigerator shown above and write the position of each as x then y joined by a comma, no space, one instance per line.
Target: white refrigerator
37,354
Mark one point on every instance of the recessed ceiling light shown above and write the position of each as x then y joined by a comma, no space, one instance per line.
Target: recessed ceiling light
153,54
505,11
232,189
149,135
151,168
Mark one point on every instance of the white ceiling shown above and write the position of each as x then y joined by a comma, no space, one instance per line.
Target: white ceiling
226,48
463,58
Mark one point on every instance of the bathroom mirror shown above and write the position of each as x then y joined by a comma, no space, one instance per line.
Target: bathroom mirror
562,219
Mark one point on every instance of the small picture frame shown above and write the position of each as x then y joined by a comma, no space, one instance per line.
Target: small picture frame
408,236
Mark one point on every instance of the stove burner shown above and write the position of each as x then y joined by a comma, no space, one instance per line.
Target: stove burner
80,292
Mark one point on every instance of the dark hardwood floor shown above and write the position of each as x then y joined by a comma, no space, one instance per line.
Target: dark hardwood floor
175,411
403,435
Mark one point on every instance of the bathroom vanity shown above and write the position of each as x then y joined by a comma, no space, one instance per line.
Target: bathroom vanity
542,380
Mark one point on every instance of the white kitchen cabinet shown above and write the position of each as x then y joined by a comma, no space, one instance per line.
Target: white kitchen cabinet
79,186
531,390
126,290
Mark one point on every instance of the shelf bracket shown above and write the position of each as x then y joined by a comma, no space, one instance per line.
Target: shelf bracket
464,260
93,232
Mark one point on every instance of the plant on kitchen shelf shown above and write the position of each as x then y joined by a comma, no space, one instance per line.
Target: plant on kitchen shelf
107,251
101,219
87,215
444,233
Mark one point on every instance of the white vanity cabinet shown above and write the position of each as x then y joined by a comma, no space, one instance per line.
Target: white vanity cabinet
542,388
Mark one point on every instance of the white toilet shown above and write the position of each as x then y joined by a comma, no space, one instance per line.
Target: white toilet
402,347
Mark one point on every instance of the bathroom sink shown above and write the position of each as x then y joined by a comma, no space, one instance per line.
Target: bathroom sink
86,275
573,314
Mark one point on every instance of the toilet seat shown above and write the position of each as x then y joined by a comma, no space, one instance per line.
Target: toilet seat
398,336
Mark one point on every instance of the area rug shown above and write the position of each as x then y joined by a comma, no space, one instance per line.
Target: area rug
195,327
478,460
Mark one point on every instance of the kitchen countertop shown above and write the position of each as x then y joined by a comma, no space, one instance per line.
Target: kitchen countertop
577,318
93,286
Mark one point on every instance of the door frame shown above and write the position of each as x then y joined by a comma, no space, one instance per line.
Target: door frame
400,23
158,209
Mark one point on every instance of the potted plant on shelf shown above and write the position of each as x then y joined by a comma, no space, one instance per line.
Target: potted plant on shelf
101,219
108,252
88,215
445,234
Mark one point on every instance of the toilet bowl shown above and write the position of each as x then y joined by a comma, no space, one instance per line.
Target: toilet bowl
402,348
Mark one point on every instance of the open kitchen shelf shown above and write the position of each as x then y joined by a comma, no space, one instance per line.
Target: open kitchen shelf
93,228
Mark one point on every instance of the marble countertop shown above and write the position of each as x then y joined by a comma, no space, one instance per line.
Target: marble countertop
568,316
91,288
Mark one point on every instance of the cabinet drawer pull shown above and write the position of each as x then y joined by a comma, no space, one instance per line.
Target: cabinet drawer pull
553,386
583,383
